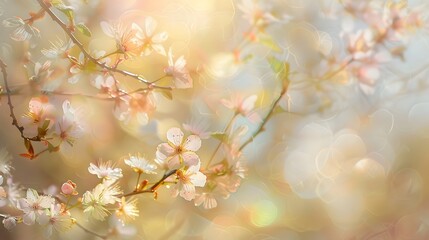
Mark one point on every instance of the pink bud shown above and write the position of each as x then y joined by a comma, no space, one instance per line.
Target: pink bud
69,188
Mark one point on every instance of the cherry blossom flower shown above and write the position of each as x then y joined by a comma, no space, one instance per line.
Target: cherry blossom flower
125,37
95,201
105,84
127,210
178,151
207,199
5,158
140,165
187,181
70,128
199,128
135,106
255,14
41,114
13,194
150,40
82,67
105,171
23,30
34,206
56,219
58,49
177,70
243,106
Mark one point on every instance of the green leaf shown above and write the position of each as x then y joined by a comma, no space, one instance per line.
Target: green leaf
269,42
83,29
281,69
52,148
221,136
67,10
167,94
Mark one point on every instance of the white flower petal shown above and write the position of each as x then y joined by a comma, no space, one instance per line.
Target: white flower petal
192,143
175,136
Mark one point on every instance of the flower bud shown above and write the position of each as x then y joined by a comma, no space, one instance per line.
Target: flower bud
9,223
69,188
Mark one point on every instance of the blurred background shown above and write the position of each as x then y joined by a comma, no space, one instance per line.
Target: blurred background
338,161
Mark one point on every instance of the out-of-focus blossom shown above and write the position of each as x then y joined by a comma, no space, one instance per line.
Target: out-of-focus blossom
187,181
125,37
255,13
81,69
5,158
58,49
13,194
34,206
23,29
150,40
178,151
95,201
140,165
105,84
56,219
9,223
135,106
127,209
199,128
243,106
69,188
41,114
105,171
177,70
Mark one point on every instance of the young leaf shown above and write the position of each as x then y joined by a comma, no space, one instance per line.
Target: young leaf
281,69
83,29
167,94
269,42
221,136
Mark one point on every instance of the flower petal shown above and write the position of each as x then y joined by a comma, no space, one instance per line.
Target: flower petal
175,136
192,143
190,158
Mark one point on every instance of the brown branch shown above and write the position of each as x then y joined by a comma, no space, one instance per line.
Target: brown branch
265,120
66,29
154,187
11,107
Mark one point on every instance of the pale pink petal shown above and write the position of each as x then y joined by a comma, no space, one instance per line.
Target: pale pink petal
29,218
175,136
150,25
159,49
160,37
198,179
107,29
192,143
174,162
188,191
190,158
249,103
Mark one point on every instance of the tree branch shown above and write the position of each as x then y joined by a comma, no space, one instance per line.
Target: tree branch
11,107
66,29
154,187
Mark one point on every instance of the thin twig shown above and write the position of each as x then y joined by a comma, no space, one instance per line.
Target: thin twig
265,120
66,29
9,102
154,187
220,142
